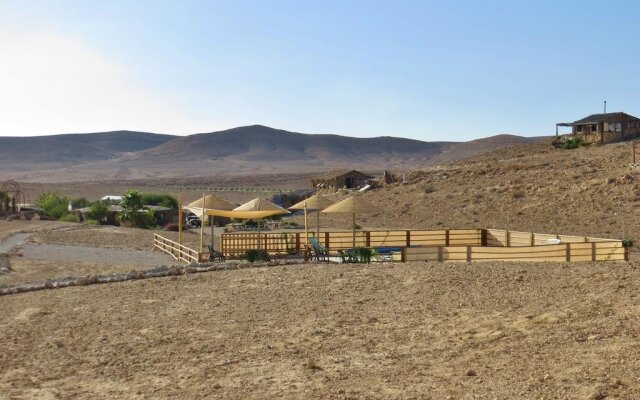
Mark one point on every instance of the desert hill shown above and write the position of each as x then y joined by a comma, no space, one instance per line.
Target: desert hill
533,187
240,151
73,148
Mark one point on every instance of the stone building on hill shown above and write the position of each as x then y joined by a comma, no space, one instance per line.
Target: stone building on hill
336,180
605,128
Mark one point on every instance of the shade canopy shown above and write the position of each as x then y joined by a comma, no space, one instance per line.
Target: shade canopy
351,205
211,202
315,202
255,209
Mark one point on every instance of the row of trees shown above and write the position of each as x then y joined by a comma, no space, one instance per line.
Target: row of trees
133,203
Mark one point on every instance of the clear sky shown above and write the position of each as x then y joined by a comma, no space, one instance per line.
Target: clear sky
430,70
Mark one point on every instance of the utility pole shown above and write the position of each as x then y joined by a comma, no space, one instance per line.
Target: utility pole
605,106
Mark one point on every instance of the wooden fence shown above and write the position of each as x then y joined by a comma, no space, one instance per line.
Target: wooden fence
177,251
593,251
441,245
236,244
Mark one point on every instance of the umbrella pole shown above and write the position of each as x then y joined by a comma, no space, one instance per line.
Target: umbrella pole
258,234
202,227
354,230
318,223
180,218
211,218
306,229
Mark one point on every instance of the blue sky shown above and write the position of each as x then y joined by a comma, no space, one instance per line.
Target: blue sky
445,70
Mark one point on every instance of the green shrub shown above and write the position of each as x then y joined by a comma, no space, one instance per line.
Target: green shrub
53,205
254,255
80,202
364,254
626,243
132,211
153,199
69,218
571,144
98,211
90,222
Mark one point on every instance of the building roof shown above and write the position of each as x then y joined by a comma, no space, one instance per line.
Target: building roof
337,173
111,197
595,118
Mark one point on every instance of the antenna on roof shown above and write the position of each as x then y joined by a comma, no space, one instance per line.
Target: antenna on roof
605,106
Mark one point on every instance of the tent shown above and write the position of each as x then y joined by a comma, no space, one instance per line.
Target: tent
313,203
200,208
255,209
353,205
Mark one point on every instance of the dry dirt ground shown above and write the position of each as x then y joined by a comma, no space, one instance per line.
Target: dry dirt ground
458,331
52,250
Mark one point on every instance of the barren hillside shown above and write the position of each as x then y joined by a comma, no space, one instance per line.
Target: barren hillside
533,187
250,150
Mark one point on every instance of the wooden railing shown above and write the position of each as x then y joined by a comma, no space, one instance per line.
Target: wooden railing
593,251
178,251
236,244
441,245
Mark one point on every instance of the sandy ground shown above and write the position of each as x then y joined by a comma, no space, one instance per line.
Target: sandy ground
45,250
482,331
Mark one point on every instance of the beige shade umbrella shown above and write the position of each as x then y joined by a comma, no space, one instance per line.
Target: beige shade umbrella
353,205
200,208
255,209
313,203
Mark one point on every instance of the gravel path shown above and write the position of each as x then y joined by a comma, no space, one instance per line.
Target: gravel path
50,252
13,241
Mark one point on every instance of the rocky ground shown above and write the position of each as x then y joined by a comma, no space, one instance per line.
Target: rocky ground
414,330
490,331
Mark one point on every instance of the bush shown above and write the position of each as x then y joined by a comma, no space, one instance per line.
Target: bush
254,255
79,203
132,211
364,254
69,218
53,205
164,200
571,144
626,243
90,222
171,227
98,211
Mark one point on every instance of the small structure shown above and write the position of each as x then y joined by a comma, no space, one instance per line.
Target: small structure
11,198
604,128
113,199
336,180
287,199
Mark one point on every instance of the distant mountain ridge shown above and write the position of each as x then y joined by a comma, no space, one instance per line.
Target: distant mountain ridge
76,147
254,149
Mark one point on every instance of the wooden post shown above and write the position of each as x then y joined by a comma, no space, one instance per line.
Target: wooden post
568,252
483,238
533,240
507,238
440,253
468,253
593,251
306,228
408,238
180,218
446,237
354,231
202,227
326,239
403,254
367,239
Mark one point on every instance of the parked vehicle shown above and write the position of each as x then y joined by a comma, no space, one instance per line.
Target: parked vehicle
192,222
